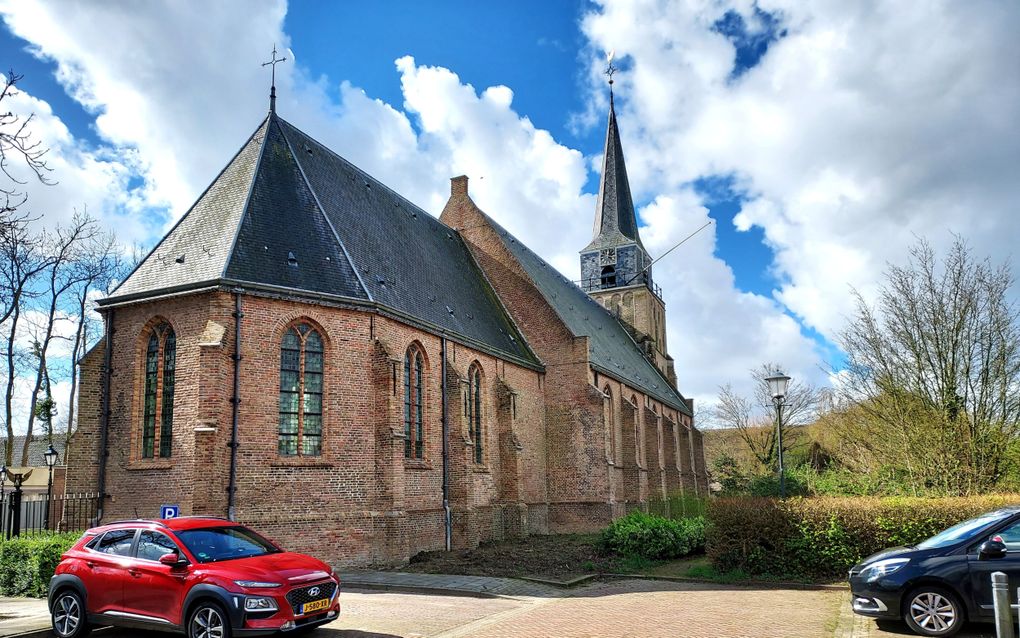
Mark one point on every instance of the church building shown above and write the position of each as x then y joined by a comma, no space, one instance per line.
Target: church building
310,353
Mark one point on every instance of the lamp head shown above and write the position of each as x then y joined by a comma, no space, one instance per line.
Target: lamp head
778,383
51,456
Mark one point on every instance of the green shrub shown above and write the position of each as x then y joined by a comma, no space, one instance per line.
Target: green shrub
654,537
823,537
28,562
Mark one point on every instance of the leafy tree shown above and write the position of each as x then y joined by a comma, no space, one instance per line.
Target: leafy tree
932,382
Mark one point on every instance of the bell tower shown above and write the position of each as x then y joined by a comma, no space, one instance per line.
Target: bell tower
615,267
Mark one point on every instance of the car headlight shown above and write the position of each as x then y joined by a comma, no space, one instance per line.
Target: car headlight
255,584
259,603
882,568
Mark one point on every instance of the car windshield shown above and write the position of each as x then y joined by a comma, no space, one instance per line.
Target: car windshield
225,543
964,531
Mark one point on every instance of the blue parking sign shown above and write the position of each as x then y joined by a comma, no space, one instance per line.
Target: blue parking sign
170,511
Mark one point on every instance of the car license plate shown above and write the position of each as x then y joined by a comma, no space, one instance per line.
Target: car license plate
315,605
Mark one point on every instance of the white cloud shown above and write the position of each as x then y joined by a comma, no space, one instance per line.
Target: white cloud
863,127
858,129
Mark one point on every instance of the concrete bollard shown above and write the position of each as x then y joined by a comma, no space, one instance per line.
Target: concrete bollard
1000,601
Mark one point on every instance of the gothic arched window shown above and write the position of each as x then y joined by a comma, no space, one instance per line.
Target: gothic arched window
610,419
474,402
158,399
301,392
414,402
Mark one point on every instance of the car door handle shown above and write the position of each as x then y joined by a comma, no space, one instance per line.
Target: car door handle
90,564
135,573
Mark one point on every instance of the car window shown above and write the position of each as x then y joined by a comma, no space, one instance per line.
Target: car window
966,530
92,543
117,542
225,543
1010,537
153,545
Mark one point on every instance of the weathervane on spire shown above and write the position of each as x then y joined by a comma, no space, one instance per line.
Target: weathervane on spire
610,69
272,91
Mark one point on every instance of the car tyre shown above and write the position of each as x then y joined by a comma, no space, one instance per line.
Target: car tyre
208,620
933,611
69,616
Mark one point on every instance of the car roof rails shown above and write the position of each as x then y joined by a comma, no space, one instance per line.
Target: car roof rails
149,521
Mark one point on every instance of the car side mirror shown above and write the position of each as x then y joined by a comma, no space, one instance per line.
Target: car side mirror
992,550
173,560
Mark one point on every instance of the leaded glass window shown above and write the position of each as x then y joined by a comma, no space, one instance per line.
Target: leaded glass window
414,402
151,379
475,411
301,385
158,396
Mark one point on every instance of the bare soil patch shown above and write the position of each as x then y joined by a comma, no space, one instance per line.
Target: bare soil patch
557,557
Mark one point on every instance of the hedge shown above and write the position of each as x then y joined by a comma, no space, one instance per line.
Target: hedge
654,537
28,562
824,537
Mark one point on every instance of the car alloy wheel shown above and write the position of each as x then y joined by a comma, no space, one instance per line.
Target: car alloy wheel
69,616
208,622
932,612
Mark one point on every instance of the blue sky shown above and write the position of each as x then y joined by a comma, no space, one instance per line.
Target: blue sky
534,47
820,138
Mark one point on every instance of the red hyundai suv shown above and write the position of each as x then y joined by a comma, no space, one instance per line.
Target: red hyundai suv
204,577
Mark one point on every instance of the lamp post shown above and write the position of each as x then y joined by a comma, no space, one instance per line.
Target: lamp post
15,506
3,496
778,383
51,459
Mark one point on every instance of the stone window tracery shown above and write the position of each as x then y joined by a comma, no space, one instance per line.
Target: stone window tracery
158,394
474,402
414,401
301,389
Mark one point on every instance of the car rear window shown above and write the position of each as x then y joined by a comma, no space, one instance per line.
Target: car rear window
225,543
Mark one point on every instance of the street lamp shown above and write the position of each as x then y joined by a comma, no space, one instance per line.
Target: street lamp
51,459
3,496
778,384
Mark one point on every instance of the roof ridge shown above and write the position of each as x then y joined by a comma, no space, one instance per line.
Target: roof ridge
318,205
247,198
191,208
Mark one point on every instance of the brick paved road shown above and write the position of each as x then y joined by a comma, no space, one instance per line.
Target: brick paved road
645,609
650,609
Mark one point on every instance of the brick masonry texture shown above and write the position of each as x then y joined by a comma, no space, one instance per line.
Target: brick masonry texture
564,450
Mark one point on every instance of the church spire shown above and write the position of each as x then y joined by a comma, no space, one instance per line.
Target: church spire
615,220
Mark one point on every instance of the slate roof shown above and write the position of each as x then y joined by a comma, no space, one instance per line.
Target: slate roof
36,449
615,220
290,215
612,349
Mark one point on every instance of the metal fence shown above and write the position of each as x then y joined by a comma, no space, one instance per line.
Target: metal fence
36,514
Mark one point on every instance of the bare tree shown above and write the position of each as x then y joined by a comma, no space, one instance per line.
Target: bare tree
16,141
934,369
755,417
100,266
21,262
64,273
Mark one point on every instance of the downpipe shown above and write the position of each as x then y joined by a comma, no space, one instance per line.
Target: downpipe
104,415
235,403
448,519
